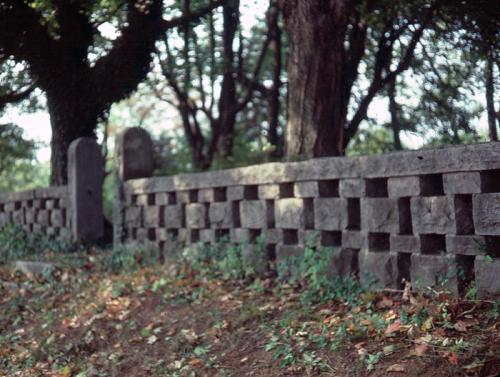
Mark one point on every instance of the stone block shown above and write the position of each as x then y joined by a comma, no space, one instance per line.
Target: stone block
437,272
307,189
10,207
172,216
3,219
42,217
152,217
403,186
183,197
239,235
18,217
207,235
289,213
486,210
344,263
435,214
206,196
141,234
255,258
253,214
379,215
142,200
465,245
183,236
272,236
162,234
133,217
352,188
30,215
286,252
235,193
404,244
161,199
220,215
270,191
486,275
462,183
50,204
330,213
57,218
378,270
195,216
352,239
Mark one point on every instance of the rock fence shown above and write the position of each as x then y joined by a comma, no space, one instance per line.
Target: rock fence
64,213
431,217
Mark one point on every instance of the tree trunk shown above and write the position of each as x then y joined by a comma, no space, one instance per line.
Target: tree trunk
71,117
274,137
490,99
394,110
316,112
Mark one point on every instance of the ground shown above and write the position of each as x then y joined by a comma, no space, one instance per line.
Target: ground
172,320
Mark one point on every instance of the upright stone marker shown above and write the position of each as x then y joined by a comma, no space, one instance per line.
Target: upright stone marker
134,159
85,180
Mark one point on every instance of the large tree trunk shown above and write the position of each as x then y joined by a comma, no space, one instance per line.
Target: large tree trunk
394,110
490,99
316,112
71,117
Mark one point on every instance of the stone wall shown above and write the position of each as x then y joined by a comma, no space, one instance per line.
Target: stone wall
42,211
431,217
64,213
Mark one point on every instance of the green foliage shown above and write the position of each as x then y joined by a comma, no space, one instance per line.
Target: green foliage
131,256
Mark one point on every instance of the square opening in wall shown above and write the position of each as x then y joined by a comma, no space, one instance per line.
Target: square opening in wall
308,213
465,273
492,246
378,242
254,234
173,234
195,235
405,221
152,234
270,219
463,214
222,235
353,214
251,192
172,198
290,237
328,188
431,185
271,252
134,198
376,188
220,194
432,243
404,268
331,238
151,199
490,181
193,196
235,211
286,190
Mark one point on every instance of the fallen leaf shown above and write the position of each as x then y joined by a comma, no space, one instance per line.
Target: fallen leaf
453,358
396,368
460,326
421,349
393,327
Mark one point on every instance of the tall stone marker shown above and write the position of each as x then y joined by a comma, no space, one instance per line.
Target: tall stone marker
85,180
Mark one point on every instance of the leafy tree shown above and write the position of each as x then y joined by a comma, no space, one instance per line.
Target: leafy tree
58,40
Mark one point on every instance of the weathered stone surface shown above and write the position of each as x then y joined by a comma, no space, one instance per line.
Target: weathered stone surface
35,270
352,239
465,245
344,262
161,199
379,215
487,277
235,193
3,219
377,270
433,214
273,236
195,215
18,217
57,218
206,196
330,213
173,216
253,214
404,244
487,213
255,258
152,217
269,191
42,217
141,234
239,235
462,183
85,181
220,215
183,197
134,154
133,217
207,235
438,272
285,252
289,213
403,186
308,189
352,188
